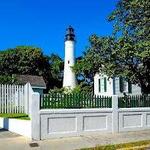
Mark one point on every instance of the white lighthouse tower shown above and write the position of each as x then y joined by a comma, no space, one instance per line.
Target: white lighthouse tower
69,80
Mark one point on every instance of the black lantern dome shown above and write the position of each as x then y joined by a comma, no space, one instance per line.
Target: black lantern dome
70,36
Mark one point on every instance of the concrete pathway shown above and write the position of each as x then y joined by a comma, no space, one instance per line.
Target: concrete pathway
11,141
6,134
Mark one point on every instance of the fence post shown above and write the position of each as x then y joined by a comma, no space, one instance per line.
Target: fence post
115,117
26,98
35,116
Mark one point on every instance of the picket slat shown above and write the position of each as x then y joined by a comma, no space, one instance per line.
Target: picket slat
74,101
0,100
12,98
131,101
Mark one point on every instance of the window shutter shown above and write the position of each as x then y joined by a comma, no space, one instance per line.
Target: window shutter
99,85
105,84
121,84
129,87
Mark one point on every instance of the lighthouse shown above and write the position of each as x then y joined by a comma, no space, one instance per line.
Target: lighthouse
69,80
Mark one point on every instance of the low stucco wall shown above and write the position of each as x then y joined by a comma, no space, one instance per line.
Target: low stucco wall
22,127
134,119
61,123
64,123
55,123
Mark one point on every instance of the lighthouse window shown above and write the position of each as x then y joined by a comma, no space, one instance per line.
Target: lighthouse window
68,61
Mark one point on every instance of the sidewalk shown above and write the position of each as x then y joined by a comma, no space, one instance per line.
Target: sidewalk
11,141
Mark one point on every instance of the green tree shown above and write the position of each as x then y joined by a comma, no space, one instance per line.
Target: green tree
57,67
132,20
84,72
8,79
31,61
126,52
23,60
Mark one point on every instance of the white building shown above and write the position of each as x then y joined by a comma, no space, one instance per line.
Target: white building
114,86
37,82
69,80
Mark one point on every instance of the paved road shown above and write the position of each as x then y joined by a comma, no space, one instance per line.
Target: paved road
11,141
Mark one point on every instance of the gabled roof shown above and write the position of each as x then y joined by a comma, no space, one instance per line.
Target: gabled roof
35,81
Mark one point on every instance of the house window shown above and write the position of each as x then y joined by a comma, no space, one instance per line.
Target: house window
99,85
102,85
129,87
125,86
121,84
105,84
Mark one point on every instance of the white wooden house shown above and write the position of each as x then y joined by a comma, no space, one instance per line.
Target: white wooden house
114,86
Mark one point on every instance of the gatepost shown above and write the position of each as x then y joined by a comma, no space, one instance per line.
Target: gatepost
115,117
35,116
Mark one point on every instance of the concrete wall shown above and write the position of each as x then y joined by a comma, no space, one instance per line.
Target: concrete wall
22,127
134,119
55,123
61,123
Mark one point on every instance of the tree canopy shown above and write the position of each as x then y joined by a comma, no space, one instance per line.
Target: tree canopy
126,52
31,61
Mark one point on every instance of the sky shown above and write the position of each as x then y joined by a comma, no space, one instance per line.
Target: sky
42,23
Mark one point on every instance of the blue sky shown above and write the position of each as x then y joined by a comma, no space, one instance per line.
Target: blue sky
42,23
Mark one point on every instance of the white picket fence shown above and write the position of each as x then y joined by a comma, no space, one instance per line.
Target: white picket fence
12,99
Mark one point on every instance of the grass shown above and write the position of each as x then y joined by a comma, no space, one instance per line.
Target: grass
21,116
140,145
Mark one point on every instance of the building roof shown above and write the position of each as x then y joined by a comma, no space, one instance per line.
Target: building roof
35,81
